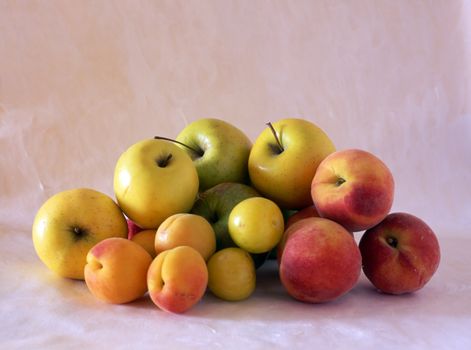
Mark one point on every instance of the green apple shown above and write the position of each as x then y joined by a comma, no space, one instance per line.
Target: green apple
153,180
70,223
219,151
284,159
216,204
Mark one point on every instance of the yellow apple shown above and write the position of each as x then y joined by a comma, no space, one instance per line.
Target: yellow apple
153,180
116,270
70,223
284,159
256,224
186,229
231,274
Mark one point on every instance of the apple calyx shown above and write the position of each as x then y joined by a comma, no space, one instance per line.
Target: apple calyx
278,148
392,242
79,232
198,152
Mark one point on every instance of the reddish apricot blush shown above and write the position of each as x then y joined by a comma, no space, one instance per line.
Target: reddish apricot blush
353,188
400,254
177,279
320,262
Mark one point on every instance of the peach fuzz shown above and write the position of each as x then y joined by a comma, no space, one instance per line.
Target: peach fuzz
186,230
293,225
320,262
353,188
116,270
400,254
146,239
177,279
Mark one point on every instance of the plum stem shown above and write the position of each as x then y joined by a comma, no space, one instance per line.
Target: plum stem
200,152
275,134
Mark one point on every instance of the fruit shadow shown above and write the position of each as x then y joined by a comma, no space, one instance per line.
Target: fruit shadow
269,303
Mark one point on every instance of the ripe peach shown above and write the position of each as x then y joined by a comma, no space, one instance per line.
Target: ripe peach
400,254
353,188
320,261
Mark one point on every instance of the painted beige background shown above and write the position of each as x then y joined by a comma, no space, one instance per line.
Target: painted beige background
80,81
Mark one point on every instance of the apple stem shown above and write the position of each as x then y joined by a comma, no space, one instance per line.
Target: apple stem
275,134
200,153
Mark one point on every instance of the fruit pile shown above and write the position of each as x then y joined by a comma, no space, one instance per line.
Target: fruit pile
205,210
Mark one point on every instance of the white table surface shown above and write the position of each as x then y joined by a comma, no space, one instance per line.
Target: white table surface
42,311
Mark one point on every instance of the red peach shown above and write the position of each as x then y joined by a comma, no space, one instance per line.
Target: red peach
320,262
353,188
400,254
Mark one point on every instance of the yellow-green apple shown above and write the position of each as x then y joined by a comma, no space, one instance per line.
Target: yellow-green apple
231,274
133,229
116,270
146,239
153,180
216,204
320,261
354,188
219,151
400,254
70,223
256,225
177,279
284,159
186,229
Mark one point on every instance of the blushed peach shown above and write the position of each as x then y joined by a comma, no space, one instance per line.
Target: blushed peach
353,188
320,261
